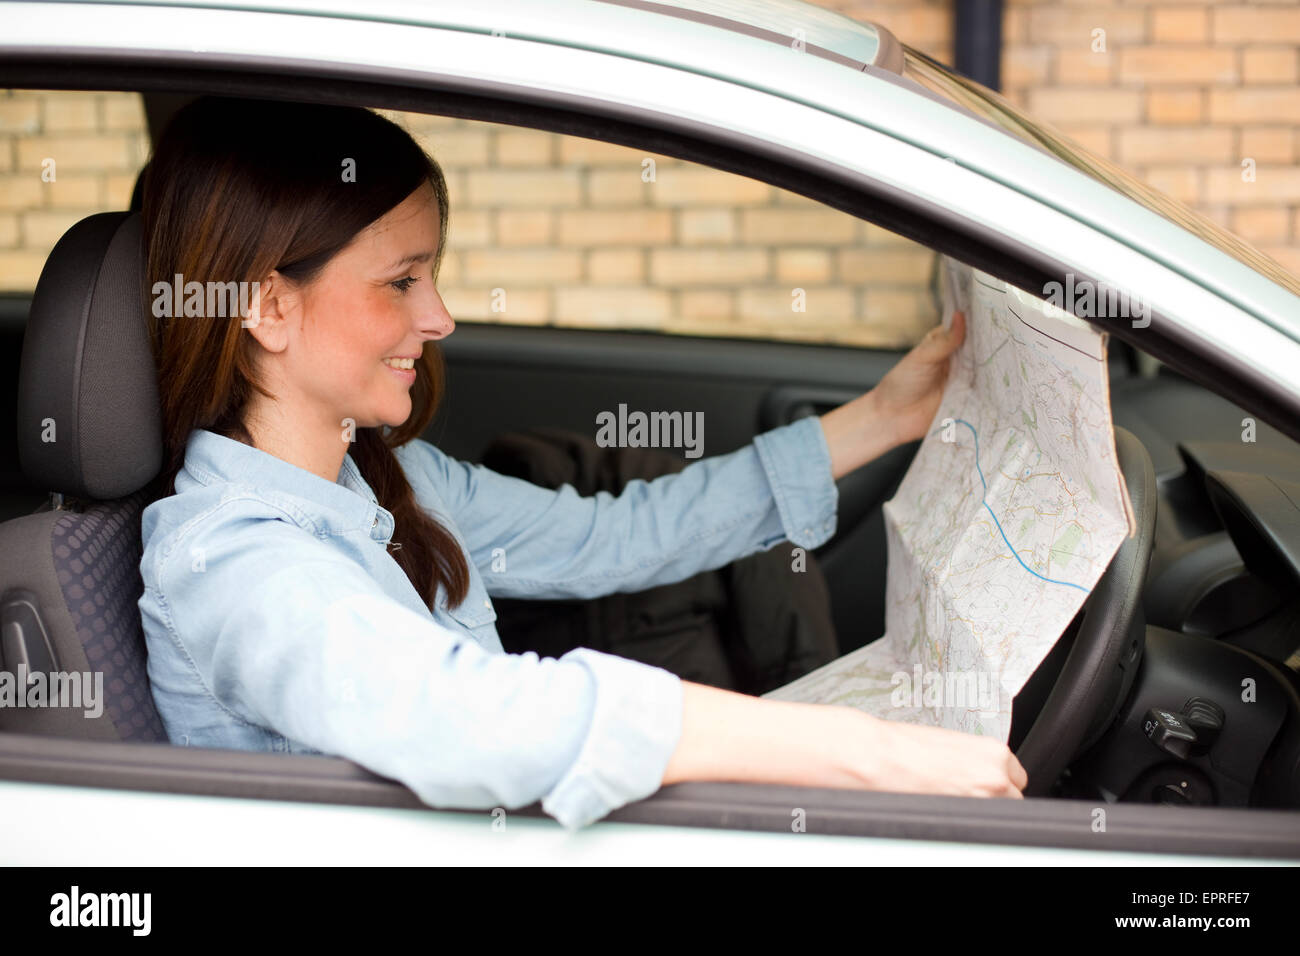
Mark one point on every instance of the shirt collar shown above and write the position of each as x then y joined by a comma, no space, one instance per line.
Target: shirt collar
210,458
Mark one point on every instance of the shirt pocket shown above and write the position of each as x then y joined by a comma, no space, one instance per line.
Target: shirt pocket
477,615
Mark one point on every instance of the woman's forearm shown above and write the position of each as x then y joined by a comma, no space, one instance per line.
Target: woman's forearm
857,432
731,736
734,737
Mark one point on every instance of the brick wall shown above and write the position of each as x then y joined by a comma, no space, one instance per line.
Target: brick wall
97,143
554,229
1182,94
551,229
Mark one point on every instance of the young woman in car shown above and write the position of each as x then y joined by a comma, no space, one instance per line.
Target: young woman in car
317,577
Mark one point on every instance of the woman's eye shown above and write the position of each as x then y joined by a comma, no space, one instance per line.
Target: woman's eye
402,285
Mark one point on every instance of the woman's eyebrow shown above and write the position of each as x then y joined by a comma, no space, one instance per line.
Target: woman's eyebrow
407,260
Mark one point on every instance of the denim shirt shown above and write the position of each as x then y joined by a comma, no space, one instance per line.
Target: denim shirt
276,617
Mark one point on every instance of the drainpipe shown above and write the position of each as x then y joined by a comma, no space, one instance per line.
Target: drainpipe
977,40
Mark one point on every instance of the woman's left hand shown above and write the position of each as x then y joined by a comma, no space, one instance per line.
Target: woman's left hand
899,408
909,394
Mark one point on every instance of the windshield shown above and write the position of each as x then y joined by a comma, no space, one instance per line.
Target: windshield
989,105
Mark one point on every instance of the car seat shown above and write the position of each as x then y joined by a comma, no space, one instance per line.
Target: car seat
89,432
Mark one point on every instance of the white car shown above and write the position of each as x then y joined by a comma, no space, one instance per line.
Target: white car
782,93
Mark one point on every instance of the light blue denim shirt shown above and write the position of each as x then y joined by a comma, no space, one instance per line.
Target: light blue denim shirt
277,618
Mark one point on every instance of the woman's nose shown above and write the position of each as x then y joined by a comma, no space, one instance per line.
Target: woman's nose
440,324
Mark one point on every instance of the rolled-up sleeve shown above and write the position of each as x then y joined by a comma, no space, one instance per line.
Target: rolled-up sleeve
309,646
635,728
797,462
533,542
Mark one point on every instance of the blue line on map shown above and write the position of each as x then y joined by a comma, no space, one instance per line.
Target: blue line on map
985,486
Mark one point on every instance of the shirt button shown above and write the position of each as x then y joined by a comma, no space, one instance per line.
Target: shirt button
487,603
375,522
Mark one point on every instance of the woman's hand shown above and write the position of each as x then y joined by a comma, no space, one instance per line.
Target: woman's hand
913,759
897,410
909,394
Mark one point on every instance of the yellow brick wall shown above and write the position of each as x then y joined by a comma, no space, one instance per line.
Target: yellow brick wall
1182,96
553,229
63,156
586,234
1183,93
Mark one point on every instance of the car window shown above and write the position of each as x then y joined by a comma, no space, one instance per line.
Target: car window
546,229
551,229
64,155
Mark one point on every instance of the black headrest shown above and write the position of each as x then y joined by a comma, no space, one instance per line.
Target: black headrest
89,422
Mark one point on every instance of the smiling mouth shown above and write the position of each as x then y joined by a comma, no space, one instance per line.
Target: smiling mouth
406,364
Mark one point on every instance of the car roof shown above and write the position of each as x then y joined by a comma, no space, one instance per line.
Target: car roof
705,36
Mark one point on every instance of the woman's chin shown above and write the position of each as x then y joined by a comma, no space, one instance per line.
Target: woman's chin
396,416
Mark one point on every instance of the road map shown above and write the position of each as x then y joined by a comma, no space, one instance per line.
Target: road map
1009,514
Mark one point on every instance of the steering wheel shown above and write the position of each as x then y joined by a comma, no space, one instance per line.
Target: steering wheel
1076,692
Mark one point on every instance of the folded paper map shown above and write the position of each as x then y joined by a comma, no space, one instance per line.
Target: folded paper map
1010,512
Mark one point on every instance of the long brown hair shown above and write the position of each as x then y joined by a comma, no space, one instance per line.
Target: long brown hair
238,188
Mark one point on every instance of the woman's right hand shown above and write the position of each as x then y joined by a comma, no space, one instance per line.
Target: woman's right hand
909,758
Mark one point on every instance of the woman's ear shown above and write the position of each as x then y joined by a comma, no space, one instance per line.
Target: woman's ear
272,303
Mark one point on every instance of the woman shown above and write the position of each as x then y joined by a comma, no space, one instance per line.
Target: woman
317,577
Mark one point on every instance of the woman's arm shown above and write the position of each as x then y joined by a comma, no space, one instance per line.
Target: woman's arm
534,542
730,736
277,629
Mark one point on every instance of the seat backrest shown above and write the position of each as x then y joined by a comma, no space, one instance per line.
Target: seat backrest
90,432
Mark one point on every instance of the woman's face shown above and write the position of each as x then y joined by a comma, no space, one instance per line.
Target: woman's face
367,314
